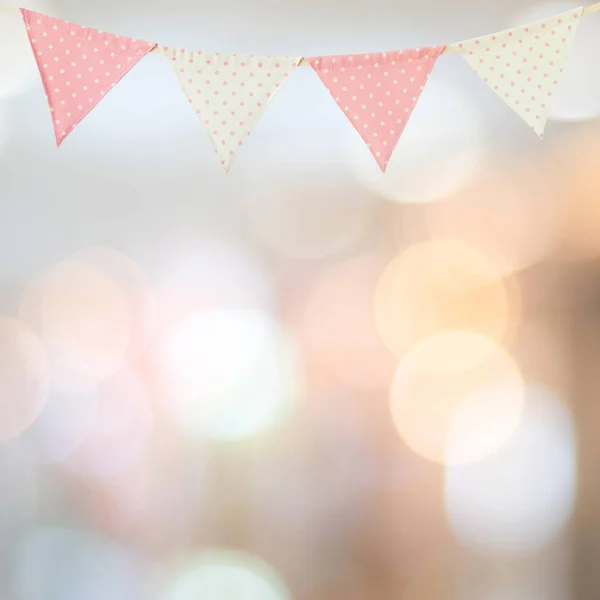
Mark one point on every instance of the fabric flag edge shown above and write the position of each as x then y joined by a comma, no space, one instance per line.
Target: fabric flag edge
25,13
457,48
320,70
165,52
460,48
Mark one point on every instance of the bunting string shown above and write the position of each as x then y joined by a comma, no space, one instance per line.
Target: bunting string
229,93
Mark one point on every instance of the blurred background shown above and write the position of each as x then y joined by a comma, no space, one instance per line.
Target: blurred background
303,380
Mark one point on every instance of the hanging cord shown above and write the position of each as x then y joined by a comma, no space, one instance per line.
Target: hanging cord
592,8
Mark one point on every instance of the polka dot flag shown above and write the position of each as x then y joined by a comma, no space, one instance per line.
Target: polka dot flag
78,66
229,92
378,92
523,65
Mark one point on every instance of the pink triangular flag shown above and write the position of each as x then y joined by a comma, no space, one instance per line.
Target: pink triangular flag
78,66
378,92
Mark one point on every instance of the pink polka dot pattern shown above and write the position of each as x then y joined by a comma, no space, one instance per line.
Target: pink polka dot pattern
523,65
229,92
378,92
78,66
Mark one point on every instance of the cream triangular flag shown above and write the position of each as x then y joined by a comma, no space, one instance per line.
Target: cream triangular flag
523,65
229,92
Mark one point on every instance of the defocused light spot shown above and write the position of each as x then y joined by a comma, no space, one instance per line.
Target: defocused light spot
578,93
228,576
24,377
85,320
505,211
443,285
456,380
62,564
309,217
132,282
519,499
214,274
339,329
120,430
438,151
17,65
229,373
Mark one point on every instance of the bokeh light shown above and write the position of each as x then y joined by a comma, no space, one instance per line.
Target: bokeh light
578,93
308,379
443,284
84,321
119,433
519,499
338,327
511,213
456,381
440,148
222,575
216,273
133,283
229,373
24,377
88,313
59,564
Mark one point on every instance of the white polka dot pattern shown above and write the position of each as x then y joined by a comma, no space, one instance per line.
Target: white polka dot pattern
523,65
229,92
378,91
78,66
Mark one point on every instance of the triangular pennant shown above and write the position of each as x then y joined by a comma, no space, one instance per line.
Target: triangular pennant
229,92
523,65
378,92
78,66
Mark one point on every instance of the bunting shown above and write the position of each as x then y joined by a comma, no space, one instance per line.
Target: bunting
523,65
229,92
78,66
378,92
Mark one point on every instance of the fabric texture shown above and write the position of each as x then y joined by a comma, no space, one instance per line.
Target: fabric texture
523,65
78,66
378,92
229,92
